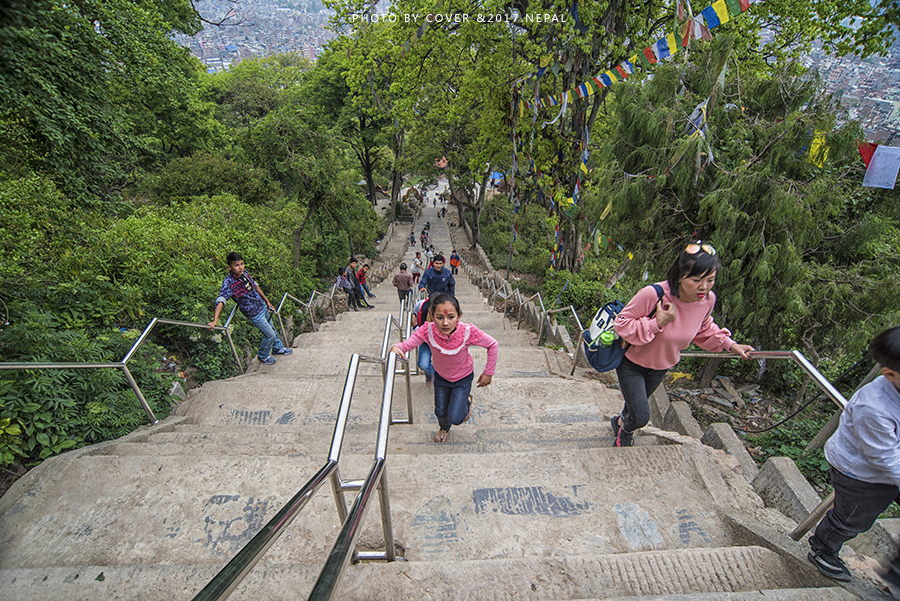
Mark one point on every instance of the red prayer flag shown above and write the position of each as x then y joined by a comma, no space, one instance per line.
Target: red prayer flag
621,71
866,149
648,52
745,4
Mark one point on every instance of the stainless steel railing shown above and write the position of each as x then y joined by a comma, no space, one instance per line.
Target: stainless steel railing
546,317
344,550
123,364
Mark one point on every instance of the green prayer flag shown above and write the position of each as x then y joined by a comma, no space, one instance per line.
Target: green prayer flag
734,7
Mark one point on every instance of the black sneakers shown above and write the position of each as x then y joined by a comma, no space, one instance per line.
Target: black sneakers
623,438
828,563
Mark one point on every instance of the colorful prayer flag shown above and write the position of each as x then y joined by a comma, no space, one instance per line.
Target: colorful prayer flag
662,48
673,45
649,56
721,10
712,18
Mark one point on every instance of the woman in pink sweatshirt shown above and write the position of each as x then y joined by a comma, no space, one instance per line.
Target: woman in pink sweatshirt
684,315
449,340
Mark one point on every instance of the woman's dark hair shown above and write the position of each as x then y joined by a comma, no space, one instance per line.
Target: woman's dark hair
885,348
688,266
443,297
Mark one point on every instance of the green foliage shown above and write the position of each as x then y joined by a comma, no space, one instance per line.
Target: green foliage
50,411
806,251
205,174
789,440
92,91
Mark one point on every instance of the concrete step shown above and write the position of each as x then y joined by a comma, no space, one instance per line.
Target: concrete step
287,403
335,335
197,509
736,574
304,362
416,439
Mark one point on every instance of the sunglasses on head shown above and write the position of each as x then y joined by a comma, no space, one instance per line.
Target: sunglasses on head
694,247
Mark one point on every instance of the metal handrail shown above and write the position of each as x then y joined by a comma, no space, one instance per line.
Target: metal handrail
123,364
224,583
385,352
529,299
546,316
330,578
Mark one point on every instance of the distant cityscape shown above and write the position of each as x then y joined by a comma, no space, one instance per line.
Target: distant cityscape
869,89
256,28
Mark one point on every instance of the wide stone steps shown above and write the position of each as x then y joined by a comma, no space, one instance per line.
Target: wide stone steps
201,508
404,439
527,500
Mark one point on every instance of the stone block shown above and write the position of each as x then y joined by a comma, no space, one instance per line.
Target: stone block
679,419
781,486
659,405
721,436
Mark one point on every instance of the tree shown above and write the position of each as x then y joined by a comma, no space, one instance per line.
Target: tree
807,253
359,125
87,87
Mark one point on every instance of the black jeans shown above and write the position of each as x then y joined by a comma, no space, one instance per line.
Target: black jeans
857,505
637,383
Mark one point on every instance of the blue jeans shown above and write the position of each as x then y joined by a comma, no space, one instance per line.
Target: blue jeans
637,383
366,288
424,360
451,400
270,336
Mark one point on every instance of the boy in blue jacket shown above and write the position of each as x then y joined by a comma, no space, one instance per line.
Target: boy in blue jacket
864,454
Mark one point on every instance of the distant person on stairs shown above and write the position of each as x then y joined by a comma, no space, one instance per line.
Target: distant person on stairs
344,284
437,279
403,282
454,262
864,453
449,340
253,304
417,267
684,315
350,274
362,275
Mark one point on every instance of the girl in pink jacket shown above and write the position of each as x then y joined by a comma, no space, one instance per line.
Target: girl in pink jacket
449,340
684,315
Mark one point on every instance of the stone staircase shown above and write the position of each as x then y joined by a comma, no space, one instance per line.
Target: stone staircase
527,500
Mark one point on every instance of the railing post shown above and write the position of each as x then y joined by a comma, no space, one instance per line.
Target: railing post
387,526
237,358
139,394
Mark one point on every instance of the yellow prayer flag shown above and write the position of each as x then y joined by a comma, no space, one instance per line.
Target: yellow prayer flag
606,210
670,40
630,256
818,150
545,60
569,95
721,9
584,167
612,75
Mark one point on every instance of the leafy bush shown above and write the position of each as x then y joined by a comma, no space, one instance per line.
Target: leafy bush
789,440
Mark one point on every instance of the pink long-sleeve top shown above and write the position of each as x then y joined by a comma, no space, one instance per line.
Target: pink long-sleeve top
660,348
450,356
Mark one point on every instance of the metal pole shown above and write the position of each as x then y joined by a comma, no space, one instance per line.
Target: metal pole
139,341
237,358
139,394
387,526
813,518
